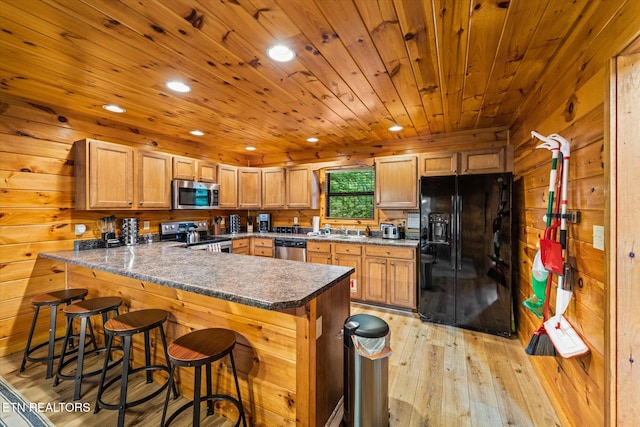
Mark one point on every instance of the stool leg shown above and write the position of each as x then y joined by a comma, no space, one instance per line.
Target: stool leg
166,357
166,400
81,344
209,392
103,375
67,336
235,377
196,396
28,347
124,380
147,355
52,340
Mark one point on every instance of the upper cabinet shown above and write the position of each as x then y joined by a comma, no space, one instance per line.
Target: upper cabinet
114,176
153,180
438,164
396,182
273,188
228,180
207,172
249,188
298,185
184,168
482,161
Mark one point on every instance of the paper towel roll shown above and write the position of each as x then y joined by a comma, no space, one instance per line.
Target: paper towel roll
316,224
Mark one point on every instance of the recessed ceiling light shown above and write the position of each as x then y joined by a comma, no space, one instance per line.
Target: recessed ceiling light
177,86
196,132
281,53
312,139
395,128
113,108
250,148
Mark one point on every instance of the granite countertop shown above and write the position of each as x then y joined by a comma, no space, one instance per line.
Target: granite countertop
268,283
334,237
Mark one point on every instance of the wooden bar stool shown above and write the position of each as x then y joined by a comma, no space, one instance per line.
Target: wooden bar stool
52,300
83,310
199,348
126,326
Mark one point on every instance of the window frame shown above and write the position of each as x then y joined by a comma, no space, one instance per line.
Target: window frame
326,196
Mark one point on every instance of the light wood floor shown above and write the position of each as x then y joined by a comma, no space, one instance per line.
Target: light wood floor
438,376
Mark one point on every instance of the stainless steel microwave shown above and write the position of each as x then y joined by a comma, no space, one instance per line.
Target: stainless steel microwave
194,195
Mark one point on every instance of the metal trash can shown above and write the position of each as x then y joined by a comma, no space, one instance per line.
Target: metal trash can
366,371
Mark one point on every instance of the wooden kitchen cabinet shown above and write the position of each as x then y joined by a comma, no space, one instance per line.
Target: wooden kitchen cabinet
482,161
249,188
319,252
390,276
184,168
240,246
228,180
438,164
262,246
207,172
273,188
350,255
298,186
396,182
153,180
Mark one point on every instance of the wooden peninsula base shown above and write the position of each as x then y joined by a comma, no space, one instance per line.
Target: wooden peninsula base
290,361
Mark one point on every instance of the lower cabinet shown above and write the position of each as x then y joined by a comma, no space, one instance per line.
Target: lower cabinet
347,255
319,252
390,276
240,246
262,246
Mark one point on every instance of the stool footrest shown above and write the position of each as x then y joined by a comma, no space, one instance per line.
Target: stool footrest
74,359
205,399
114,380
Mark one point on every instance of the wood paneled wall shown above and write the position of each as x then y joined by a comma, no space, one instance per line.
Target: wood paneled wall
570,100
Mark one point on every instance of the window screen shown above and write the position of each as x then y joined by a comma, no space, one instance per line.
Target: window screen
349,194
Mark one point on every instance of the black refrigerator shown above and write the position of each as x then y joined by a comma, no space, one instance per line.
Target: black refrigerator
465,252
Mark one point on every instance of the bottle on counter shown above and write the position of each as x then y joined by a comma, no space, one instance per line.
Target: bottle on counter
367,231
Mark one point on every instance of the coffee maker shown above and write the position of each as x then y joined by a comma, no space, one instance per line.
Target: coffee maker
264,222
107,226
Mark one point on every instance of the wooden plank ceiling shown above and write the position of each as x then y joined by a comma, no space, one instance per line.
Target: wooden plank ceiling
434,66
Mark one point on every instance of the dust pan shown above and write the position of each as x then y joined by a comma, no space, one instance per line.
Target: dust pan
565,339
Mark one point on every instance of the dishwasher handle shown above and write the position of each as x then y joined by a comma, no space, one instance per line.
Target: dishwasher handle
291,243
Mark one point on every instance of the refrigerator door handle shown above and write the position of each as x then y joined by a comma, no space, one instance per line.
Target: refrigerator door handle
458,233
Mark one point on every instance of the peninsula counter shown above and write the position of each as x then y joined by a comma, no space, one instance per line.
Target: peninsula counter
286,315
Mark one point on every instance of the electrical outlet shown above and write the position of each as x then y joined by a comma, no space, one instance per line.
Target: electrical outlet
145,225
598,237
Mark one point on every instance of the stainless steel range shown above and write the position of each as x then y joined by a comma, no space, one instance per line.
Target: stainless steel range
195,234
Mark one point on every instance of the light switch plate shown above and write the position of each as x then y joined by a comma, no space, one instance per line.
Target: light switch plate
598,237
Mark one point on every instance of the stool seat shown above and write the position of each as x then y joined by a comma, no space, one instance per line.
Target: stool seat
200,347
196,349
135,322
92,306
53,300
59,297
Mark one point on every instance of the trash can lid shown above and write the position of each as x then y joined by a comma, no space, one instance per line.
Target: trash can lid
370,326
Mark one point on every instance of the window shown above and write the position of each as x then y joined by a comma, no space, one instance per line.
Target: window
349,194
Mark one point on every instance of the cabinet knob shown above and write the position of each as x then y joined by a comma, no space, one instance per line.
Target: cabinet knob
393,263
388,252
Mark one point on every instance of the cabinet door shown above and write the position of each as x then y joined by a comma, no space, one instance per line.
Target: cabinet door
206,172
249,187
354,261
298,184
438,164
184,168
401,282
153,171
240,246
110,176
375,276
483,161
228,180
319,257
397,182
273,188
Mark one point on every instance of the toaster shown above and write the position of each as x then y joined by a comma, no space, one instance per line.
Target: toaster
391,232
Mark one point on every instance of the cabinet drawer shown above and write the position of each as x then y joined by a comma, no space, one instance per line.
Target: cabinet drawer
240,251
266,252
262,243
319,246
239,243
389,252
346,249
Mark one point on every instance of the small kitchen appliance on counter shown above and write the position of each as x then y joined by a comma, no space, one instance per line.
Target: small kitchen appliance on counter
107,226
264,222
130,231
391,232
186,231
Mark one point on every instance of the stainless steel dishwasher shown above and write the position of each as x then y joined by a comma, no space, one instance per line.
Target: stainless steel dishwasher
293,249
